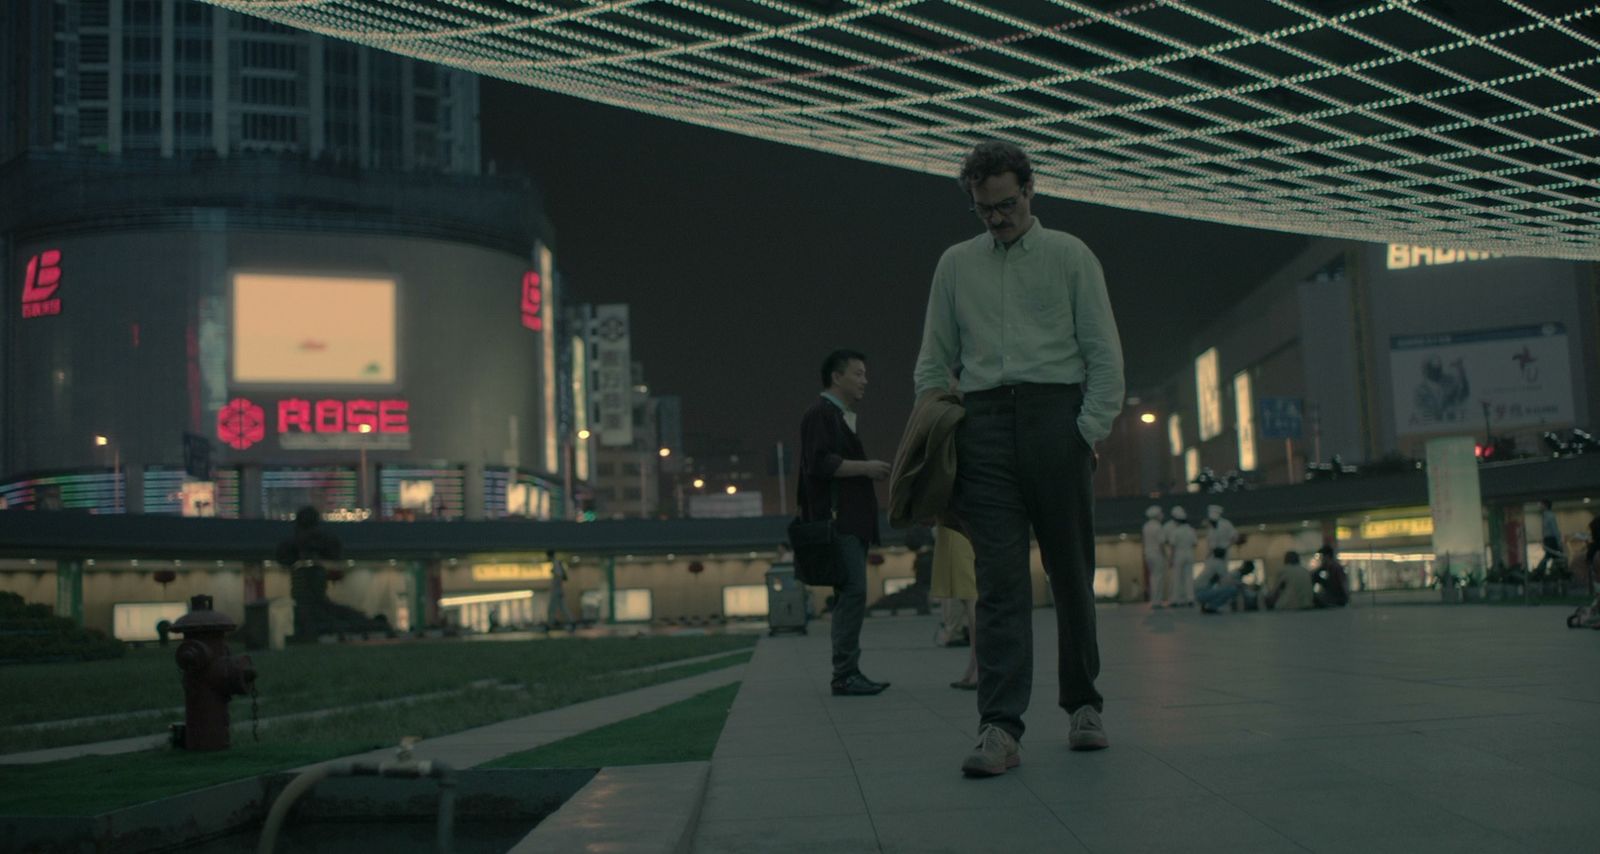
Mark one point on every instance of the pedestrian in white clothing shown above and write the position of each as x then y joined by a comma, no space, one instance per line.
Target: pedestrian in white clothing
1155,556
1181,539
1219,543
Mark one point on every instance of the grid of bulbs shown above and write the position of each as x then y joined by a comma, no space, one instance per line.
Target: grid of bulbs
1387,122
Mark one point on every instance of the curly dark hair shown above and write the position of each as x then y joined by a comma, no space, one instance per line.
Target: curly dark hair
994,158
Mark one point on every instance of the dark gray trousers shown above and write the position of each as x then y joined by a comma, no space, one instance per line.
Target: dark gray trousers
849,606
1022,463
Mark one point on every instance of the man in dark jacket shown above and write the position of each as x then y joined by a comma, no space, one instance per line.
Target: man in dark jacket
836,480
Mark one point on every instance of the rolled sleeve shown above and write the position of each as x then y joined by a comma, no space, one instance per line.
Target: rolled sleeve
828,464
941,338
1096,329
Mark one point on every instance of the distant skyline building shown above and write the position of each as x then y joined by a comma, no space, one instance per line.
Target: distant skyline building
1367,351
220,231
178,78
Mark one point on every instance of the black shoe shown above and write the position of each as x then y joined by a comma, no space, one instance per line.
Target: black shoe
879,684
856,685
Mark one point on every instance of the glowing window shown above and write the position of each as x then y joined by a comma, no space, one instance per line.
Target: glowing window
895,585
1208,388
1107,582
1175,434
744,600
1244,420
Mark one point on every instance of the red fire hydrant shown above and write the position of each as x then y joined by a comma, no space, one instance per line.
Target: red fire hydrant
211,677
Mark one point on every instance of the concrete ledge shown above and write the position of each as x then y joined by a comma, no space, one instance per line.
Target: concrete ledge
642,809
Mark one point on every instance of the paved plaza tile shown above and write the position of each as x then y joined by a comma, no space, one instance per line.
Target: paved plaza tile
1409,728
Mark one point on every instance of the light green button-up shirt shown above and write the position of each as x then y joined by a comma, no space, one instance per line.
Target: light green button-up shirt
1034,312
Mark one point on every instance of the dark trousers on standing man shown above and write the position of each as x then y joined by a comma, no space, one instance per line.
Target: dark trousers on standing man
849,606
1021,463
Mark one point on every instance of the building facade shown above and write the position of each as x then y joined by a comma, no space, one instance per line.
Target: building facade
179,78
221,235
1367,351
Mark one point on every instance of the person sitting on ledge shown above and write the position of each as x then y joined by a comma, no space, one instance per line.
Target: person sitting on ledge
1294,586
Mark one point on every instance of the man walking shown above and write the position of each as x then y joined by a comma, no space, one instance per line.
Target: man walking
1555,551
1021,315
557,613
836,480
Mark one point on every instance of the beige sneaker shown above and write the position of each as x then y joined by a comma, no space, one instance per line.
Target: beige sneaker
1086,732
995,752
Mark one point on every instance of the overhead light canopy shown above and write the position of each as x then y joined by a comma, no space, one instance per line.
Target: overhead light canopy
1467,125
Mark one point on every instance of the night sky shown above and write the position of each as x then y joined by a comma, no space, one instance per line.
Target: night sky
746,261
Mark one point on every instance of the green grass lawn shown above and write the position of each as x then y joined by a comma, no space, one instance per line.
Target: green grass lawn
91,785
307,678
682,732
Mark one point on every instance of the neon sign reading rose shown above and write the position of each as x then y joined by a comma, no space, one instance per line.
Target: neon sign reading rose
241,423
343,416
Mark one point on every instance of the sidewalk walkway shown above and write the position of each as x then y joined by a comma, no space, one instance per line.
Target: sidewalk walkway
1415,729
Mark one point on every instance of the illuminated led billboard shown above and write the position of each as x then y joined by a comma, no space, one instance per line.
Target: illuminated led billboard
313,330
1208,390
1244,412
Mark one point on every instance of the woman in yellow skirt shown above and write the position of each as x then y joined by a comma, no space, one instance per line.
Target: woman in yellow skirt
955,579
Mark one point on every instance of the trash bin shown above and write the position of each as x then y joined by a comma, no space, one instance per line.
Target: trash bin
786,600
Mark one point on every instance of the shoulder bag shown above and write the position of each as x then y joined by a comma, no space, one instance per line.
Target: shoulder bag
816,544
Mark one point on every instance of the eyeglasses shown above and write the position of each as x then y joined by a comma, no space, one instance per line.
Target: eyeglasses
1004,207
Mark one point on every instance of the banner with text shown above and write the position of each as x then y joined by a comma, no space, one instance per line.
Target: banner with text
1442,382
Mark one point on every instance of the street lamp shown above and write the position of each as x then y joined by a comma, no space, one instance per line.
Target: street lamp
1148,418
569,461
364,429
732,490
116,467
699,483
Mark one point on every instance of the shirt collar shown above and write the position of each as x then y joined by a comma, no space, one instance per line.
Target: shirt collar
1024,241
836,402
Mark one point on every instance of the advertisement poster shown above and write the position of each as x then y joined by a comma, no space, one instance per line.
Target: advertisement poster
1442,382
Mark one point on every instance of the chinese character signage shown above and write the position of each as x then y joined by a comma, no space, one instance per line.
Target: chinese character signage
613,374
1443,382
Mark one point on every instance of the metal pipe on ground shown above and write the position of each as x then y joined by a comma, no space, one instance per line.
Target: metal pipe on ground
403,767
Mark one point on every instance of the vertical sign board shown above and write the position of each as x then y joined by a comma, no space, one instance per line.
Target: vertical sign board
613,372
547,360
1208,393
580,407
1244,419
1457,505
